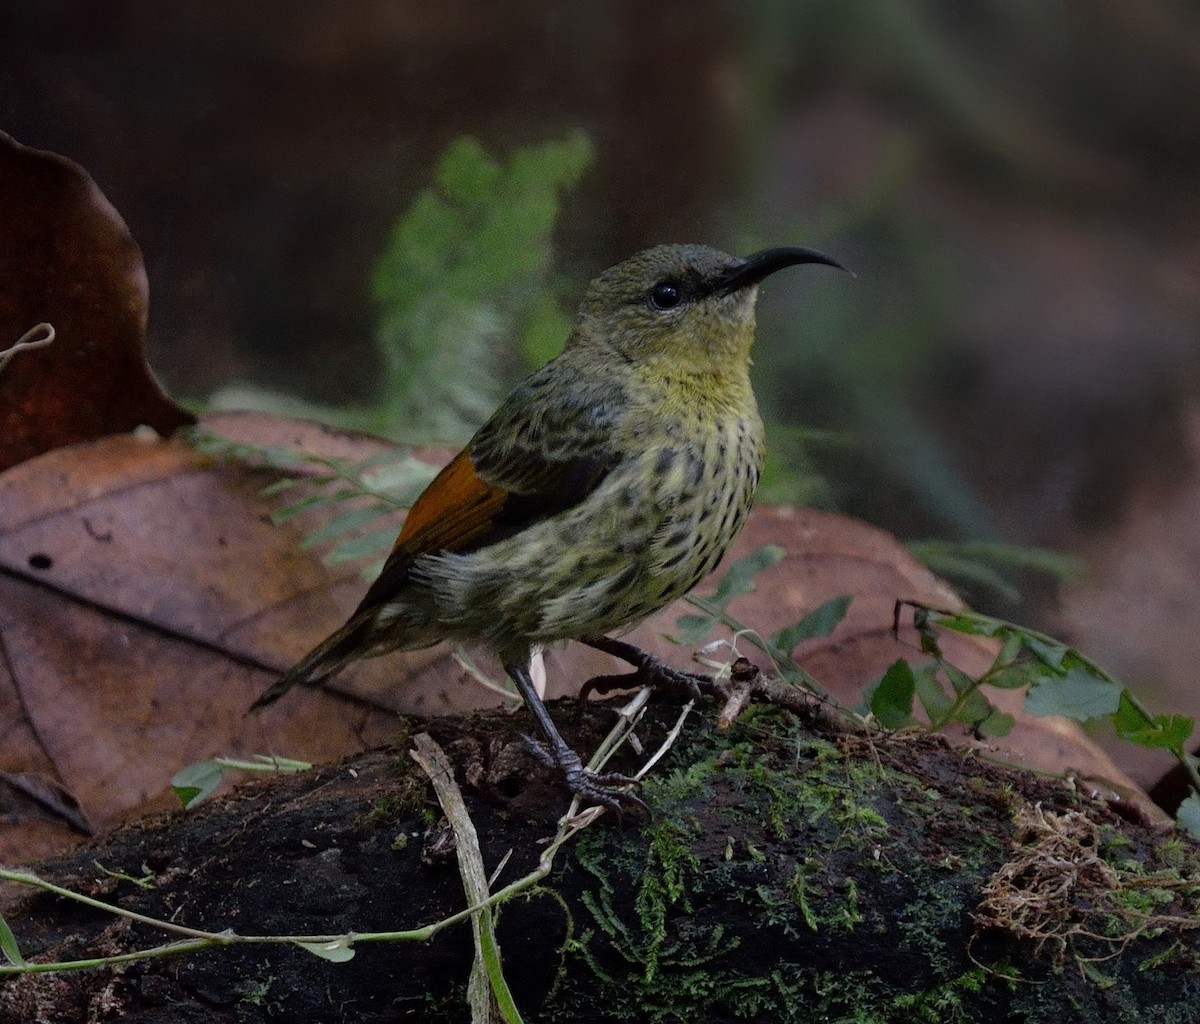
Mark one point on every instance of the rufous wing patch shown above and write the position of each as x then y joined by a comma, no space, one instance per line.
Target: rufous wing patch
455,512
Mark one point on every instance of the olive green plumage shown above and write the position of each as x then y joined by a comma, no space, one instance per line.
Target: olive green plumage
658,423
604,487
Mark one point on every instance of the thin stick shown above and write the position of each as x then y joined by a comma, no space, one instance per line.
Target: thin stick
487,991
27,341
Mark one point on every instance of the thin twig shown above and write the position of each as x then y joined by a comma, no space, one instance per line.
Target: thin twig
487,991
28,340
782,659
667,743
467,664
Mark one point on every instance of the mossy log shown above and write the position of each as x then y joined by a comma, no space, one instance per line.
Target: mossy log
794,868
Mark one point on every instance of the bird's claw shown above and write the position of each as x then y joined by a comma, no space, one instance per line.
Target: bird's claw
661,676
609,789
694,684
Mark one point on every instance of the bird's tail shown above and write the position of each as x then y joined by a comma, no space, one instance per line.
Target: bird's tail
323,661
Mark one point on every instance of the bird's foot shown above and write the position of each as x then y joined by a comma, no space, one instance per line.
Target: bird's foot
609,789
652,671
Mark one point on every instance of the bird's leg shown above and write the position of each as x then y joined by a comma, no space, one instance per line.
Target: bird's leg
611,789
648,671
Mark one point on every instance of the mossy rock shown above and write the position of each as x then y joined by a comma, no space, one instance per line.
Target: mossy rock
793,869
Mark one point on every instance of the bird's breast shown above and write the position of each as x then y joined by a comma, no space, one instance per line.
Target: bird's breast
708,491
659,523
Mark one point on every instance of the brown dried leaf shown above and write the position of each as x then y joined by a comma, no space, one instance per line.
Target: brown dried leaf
145,600
29,796
67,258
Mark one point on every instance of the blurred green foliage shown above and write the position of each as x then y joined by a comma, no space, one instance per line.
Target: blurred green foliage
465,296
464,278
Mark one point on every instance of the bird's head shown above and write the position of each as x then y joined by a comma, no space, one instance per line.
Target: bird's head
685,302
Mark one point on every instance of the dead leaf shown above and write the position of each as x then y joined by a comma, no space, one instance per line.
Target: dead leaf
145,600
31,796
67,259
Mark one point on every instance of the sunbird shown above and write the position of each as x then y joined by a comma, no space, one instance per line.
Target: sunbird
606,486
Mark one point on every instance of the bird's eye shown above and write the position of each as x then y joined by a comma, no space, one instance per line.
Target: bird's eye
666,295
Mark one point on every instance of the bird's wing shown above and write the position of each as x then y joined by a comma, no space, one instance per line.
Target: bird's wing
535,458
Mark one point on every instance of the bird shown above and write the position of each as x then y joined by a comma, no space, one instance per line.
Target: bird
605,486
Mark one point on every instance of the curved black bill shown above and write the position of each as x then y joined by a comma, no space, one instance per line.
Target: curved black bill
759,265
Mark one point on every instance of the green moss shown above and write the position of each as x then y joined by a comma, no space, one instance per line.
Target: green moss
1176,853
671,865
952,1001
672,945
255,999
800,996
829,848
406,801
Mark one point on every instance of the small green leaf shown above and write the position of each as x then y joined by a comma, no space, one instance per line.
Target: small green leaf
1096,976
8,944
967,622
1129,718
344,522
1170,732
961,682
973,709
385,457
338,951
929,644
466,172
818,623
931,693
1012,648
264,763
279,486
1188,815
998,723
284,765
1078,694
400,477
312,501
691,629
279,456
739,579
891,699
196,782
1052,654
923,621
1013,677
